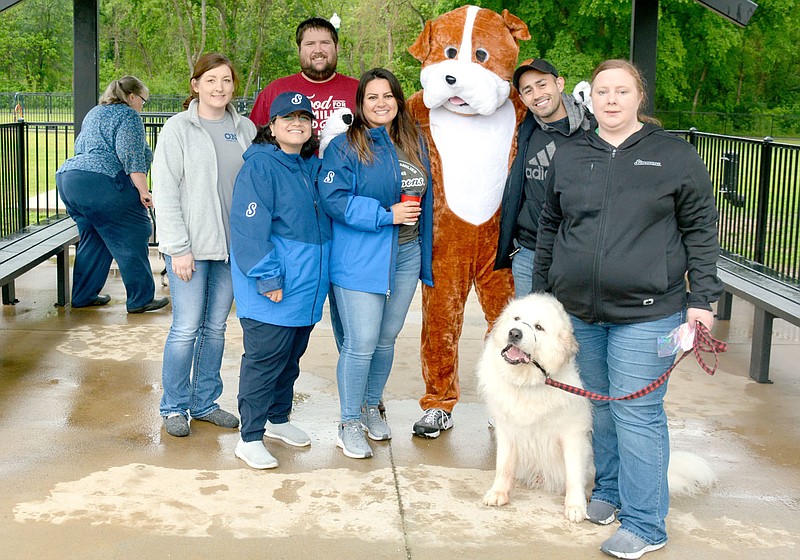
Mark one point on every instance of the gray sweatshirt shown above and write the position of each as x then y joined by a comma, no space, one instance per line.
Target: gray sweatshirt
185,191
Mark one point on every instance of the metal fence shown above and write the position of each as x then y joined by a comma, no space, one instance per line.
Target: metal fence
58,107
756,182
733,124
757,186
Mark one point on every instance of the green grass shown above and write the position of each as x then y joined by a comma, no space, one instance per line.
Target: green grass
47,149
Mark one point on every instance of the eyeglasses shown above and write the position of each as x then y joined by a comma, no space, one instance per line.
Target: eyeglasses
303,118
144,101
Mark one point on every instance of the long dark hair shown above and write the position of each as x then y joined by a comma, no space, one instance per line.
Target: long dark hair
402,129
265,136
620,64
207,62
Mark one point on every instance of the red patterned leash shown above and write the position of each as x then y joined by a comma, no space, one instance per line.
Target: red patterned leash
703,342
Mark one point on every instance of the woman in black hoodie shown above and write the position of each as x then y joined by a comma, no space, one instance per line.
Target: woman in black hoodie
630,213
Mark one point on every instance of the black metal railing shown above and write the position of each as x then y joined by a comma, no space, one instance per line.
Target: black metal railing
757,186
58,107
756,182
733,124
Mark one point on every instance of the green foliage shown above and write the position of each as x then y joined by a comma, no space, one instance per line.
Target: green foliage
32,36
705,63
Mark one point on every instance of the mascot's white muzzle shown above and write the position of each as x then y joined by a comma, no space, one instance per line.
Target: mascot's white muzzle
463,87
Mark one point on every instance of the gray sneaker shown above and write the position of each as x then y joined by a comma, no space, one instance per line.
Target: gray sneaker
623,544
352,441
176,424
288,433
375,424
432,423
221,418
600,513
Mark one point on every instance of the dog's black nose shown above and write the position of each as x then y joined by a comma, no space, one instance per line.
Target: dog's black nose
450,79
514,336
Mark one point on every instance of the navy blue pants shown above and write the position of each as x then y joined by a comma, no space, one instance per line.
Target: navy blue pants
270,366
113,224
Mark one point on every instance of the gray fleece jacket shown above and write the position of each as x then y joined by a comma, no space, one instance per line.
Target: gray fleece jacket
185,192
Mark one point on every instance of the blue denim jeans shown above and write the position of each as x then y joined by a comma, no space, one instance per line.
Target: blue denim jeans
630,438
193,351
113,225
522,270
371,323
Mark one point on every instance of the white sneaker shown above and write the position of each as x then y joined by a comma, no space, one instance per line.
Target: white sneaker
287,433
255,454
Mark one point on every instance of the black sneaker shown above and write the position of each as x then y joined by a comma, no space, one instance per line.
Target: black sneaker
432,423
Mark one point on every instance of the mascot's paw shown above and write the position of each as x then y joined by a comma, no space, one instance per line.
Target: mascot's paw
582,93
338,122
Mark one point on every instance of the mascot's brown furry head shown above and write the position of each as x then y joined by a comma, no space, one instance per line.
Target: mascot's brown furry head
467,61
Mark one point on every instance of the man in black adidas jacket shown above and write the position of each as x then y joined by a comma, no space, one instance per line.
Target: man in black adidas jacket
553,118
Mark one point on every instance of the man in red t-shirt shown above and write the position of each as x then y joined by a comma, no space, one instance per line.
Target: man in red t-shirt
318,43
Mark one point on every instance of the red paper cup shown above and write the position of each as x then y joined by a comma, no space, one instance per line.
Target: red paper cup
414,196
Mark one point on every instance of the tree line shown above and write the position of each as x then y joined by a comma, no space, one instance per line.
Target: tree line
705,63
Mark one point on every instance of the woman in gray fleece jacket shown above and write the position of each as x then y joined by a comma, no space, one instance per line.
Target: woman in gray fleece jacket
197,158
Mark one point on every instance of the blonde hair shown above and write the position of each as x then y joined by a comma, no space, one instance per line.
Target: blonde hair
620,64
119,90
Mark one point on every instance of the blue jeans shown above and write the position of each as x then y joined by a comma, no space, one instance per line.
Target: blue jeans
630,438
371,323
522,270
113,225
196,339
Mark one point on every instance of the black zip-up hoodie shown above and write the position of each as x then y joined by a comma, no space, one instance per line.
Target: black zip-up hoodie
622,227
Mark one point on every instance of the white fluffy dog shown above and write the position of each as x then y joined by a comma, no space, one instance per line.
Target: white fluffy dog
543,433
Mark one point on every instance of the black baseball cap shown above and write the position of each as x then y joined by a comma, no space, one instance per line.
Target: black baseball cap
539,64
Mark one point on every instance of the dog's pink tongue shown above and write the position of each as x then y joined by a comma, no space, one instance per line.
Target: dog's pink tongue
457,101
515,354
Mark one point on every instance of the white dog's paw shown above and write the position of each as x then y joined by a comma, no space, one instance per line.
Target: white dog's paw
495,498
575,512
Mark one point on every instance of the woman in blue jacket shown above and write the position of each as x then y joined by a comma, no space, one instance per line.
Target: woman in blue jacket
280,245
376,257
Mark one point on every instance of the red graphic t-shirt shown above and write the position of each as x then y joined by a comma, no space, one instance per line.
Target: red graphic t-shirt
325,97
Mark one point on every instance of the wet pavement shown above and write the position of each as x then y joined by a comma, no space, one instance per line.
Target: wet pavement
86,470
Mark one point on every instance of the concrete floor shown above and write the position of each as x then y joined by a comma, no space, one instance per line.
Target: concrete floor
86,470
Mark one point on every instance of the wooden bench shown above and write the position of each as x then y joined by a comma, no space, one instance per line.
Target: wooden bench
23,250
771,296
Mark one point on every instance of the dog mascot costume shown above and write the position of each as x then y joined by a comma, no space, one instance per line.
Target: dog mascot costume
469,116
